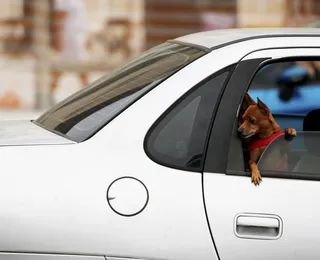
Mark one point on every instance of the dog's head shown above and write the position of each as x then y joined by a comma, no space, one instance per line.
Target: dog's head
254,117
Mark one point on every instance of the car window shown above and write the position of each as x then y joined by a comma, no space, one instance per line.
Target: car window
84,113
291,90
300,156
178,138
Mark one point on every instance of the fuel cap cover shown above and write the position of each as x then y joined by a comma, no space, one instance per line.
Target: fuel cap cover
127,196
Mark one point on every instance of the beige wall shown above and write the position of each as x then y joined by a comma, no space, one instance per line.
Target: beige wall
101,10
9,8
134,10
261,13
276,13
168,19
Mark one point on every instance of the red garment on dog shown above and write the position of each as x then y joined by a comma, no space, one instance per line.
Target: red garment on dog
264,141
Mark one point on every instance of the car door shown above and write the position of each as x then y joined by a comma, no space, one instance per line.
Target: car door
278,219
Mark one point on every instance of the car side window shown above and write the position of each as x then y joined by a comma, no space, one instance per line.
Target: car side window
291,91
178,137
300,156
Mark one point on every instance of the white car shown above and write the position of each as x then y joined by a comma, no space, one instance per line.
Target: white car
145,163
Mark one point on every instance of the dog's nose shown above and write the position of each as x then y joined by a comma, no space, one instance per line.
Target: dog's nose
240,130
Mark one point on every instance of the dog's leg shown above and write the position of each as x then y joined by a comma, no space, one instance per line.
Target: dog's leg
255,173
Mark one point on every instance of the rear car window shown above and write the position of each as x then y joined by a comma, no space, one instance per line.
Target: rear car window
178,138
84,113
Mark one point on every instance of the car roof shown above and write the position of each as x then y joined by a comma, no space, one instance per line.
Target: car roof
219,38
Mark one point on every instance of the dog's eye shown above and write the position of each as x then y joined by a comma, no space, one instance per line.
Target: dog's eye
252,121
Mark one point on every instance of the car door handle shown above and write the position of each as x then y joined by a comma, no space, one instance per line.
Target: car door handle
258,226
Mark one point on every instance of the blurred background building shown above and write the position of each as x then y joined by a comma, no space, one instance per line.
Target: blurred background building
116,31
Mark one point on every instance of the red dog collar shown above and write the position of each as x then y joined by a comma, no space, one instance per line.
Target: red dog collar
264,141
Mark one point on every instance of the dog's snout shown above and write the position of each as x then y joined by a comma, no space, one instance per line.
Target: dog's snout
240,130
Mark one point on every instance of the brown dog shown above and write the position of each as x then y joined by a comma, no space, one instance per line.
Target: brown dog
258,128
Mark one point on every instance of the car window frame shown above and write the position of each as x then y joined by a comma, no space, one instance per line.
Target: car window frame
229,69
235,151
217,149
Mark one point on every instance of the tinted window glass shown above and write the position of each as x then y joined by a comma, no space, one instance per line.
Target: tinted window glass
84,113
302,155
178,138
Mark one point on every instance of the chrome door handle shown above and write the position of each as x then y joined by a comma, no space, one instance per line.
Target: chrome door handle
258,226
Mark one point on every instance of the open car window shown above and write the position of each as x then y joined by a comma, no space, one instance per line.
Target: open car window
287,87
84,113
291,91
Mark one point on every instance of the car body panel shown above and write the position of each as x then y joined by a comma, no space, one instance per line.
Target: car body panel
281,52
290,201
30,256
69,195
72,213
220,38
24,132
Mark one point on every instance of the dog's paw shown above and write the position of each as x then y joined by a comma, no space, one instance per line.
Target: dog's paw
256,177
290,133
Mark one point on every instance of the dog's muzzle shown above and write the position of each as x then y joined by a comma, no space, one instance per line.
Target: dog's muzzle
243,134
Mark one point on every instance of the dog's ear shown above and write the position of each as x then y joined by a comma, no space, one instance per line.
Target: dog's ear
247,101
263,108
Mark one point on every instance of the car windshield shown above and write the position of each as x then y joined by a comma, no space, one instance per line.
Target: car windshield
84,113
